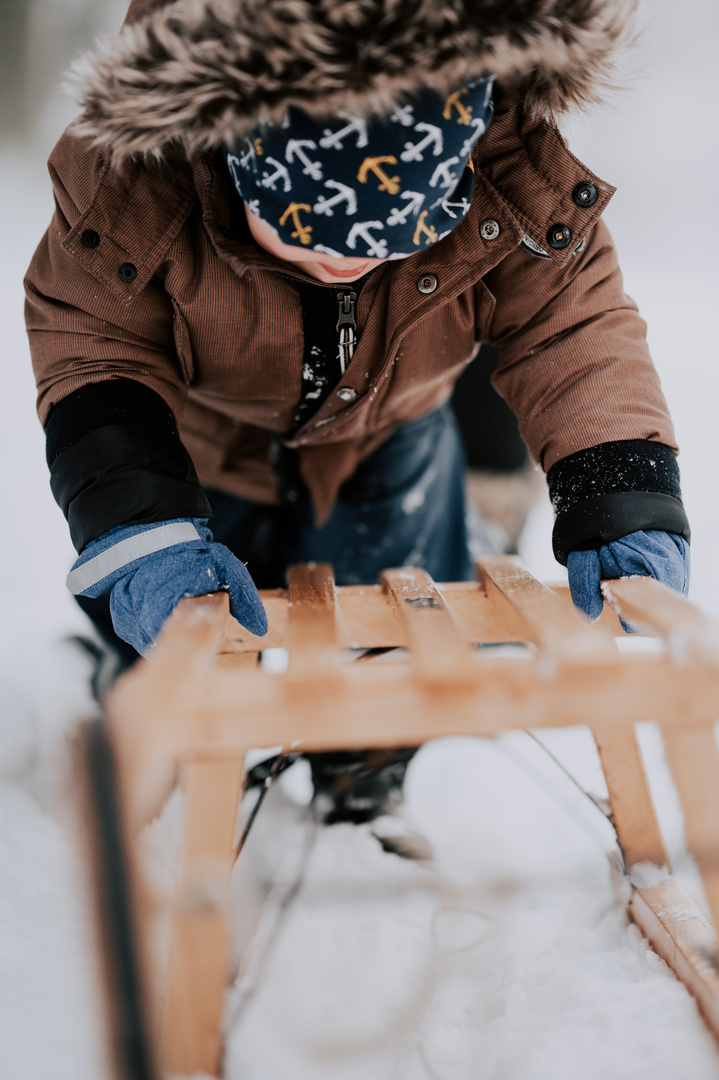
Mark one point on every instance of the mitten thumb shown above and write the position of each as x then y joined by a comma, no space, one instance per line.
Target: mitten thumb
245,603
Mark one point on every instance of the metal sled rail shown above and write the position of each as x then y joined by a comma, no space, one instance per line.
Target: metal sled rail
203,701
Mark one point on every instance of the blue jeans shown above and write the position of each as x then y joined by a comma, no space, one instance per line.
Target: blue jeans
404,506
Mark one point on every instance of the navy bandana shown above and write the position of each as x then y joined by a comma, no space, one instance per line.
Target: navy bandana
382,187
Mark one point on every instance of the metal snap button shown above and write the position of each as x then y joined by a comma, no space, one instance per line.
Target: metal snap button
128,272
90,238
427,283
585,194
347,393
559,236
489,229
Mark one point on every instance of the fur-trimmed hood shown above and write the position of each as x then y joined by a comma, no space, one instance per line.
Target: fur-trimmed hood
202,72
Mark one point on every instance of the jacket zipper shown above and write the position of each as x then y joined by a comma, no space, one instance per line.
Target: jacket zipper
347,328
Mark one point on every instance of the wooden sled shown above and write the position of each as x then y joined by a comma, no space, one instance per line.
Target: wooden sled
203,701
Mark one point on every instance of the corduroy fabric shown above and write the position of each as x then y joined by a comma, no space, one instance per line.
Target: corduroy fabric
211,326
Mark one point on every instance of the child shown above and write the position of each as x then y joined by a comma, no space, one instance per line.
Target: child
282,231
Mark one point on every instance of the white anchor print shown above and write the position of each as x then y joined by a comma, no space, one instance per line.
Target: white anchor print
344,195
443,174
334,139
250,158
233,162
463,206
295,149
399,214
280,173
329,251
479,127
414,151
377,249
404,115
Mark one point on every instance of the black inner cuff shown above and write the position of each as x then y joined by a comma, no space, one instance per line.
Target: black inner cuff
97,405
605,518
613,489
116,458
611,468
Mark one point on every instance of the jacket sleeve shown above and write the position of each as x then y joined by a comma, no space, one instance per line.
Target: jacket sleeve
109,387
81,332
575,368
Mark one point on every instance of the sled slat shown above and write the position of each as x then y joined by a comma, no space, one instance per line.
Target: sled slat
123,910
192,636
149,733
312,629
548,621
608,620
381,705
440,654
679,931
199,957
630,798
238,661
693,758
365,619
681,934
239,639
478,620
690,635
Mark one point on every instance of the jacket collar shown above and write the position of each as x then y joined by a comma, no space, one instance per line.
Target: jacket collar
525,177
136,212
529,166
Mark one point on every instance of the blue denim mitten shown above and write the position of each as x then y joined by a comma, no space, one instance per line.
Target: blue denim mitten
150,568
661,555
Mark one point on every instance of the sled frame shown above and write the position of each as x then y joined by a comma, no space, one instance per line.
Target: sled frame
191,713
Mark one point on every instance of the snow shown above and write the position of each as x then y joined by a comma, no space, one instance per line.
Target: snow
507,957
646,875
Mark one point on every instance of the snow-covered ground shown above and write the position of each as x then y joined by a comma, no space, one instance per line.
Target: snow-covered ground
507,959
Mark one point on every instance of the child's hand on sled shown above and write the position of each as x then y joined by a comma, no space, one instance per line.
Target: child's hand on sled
150,568
661,555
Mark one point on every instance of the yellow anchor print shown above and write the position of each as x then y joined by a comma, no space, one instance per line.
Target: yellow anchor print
465,111
258,147
303,233
430,233
372,164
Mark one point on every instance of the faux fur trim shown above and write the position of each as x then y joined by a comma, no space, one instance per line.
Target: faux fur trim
202,72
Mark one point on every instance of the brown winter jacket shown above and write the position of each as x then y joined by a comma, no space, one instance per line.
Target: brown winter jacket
139,277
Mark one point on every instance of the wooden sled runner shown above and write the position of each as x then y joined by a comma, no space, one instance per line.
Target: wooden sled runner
194,711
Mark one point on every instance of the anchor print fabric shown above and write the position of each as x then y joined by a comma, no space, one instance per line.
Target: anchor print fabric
384,187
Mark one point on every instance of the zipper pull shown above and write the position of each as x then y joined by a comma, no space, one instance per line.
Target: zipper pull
346,302
347,328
